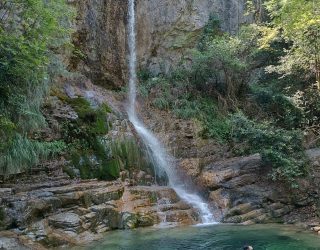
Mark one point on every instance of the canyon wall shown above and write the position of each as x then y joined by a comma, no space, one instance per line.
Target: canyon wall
165,30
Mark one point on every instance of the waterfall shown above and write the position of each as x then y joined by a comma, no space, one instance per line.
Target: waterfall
165,163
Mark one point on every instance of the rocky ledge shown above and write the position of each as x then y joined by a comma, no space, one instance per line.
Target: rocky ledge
66,212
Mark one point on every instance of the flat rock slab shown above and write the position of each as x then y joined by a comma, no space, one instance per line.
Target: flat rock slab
5,192
10,244
66,221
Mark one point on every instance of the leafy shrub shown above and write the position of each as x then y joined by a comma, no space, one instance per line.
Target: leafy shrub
282,149
210,31
280,108
94,120
214,123
308,101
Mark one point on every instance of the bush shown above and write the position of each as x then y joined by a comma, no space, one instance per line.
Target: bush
280,148
214,123
281,109
94,120
308,101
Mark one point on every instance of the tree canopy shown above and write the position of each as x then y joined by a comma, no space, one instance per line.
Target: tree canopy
298,23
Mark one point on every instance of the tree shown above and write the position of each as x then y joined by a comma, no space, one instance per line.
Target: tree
298,23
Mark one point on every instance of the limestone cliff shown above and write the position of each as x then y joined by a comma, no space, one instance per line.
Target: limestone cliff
166,29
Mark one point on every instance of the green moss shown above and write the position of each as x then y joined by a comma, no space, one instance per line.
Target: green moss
82,107
109,169
129,155
94,120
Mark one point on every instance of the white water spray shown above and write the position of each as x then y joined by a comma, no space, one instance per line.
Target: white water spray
163,161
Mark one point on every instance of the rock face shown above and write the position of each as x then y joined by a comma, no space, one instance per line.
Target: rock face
101,38
165,30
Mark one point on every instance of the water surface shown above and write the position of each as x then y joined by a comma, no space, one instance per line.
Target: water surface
217,237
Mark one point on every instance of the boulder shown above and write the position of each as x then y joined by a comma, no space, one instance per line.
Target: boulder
217,174
11,244
66,221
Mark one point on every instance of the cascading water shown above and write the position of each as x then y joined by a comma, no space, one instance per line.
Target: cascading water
163,161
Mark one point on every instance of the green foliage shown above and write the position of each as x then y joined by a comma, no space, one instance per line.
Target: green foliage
93,154
22,153
92,120
214,123
214,81
280,108
129,155
30,32
104,159
210,31
298,23
217,70
282,149
308,101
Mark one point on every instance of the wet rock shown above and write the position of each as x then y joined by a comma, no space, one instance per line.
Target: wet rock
240,209
168,194
278,213
220,199
66,221
316,229
5,192
107,214
99,196
181,216
313,154
129,221
142,178
147,220
257,215
11,244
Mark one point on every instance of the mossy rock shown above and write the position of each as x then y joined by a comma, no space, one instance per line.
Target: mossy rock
129,221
